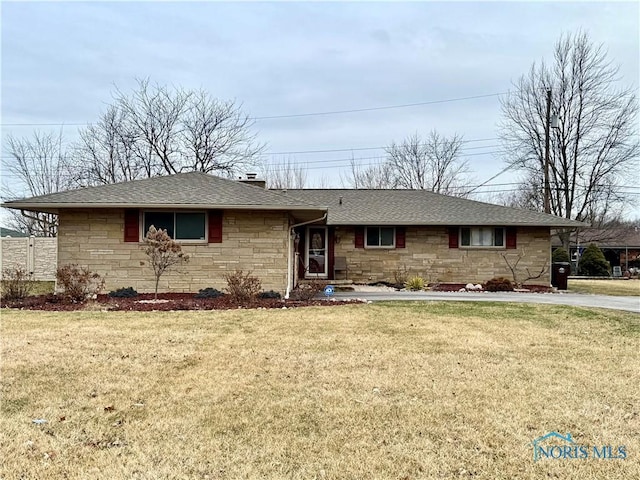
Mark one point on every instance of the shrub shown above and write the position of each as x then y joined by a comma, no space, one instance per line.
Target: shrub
593,263
209,293
307,291
499,284
128,292
415,284
242,287
78,283
400,276
17,284
560,255
270,294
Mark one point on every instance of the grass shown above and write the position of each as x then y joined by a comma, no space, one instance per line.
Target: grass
380,391
606,287
38,287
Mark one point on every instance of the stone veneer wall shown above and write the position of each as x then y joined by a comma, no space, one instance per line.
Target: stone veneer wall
251,241
428,255
35,255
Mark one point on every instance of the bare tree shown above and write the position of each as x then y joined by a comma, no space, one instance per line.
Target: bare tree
596,143
163,253
433,164
216,135
39,166
285,173
108,152
372,177
157,130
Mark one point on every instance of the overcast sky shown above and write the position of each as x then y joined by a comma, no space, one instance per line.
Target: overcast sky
60,62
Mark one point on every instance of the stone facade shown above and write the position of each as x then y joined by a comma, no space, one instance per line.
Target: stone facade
35,255
428,255
251,241
257,242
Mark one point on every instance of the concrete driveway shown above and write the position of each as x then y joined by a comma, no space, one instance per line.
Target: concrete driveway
629,304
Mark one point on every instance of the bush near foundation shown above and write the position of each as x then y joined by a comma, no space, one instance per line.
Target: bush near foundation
208,293
128,292
242,287
17,284
414,284
498,284
78,283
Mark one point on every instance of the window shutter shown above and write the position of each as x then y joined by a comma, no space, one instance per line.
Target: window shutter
400,237
359,237
215,226
511,237
131,226
453,237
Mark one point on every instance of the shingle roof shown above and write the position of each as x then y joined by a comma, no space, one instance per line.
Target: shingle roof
8,232
182,190
358,207
419,207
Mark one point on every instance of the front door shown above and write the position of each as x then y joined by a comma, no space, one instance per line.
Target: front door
316,258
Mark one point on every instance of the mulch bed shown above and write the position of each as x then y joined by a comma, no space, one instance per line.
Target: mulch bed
168,302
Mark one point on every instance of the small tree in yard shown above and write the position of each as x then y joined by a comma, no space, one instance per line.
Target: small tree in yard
593,262
163,252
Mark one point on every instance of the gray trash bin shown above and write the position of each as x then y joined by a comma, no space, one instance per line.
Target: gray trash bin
560,274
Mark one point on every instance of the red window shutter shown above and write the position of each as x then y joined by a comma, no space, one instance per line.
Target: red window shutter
453,237
131,226
359,237
511,237
400,237
215,226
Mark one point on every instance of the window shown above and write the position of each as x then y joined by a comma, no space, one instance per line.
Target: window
482,237
380,237
179,225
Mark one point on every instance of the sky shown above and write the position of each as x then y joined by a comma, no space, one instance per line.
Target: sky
61,62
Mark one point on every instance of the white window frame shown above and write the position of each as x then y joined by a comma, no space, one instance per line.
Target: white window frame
179,240
388,247
493,238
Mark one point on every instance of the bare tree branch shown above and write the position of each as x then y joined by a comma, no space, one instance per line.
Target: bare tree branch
433,164
596,143
41,165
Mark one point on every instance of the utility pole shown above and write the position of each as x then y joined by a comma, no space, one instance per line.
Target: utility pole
547,128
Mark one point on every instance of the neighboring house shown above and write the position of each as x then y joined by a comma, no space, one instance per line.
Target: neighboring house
7,232
282,236
620,245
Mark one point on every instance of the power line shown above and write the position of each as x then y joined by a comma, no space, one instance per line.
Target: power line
370,109
293,115
301,162
373,148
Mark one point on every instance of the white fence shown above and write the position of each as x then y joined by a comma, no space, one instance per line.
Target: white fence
36,255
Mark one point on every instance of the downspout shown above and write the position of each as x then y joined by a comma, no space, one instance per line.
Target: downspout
296,225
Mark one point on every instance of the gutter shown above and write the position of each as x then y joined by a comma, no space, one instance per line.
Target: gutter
289,273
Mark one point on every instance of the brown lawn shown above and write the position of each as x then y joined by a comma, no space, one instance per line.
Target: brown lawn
606,287
381,391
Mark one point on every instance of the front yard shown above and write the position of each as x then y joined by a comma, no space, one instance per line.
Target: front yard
605,287
381,391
